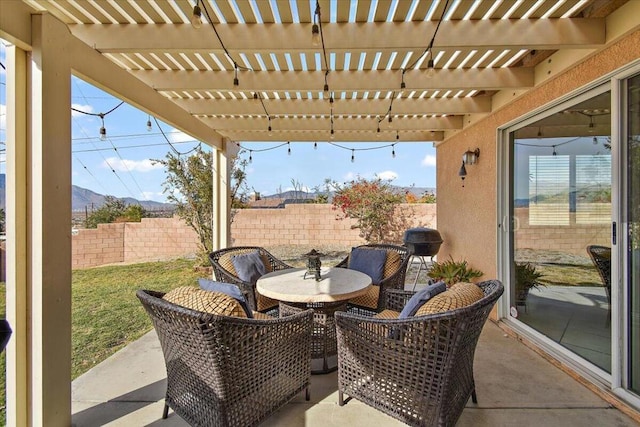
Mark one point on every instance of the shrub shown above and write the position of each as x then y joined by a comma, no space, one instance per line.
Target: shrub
453,271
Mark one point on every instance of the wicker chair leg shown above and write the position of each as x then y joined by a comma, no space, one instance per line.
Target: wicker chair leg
307,394
474,396
165,412
340,398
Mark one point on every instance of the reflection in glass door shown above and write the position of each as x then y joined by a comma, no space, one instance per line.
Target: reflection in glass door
561,247
633,218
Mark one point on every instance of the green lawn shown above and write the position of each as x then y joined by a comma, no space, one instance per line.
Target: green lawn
106,315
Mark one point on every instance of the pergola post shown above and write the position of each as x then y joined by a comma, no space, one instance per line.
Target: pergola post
41,223
222,160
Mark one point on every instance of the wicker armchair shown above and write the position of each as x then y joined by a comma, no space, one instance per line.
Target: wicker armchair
601,258
394,278
224,271
229,371
418,370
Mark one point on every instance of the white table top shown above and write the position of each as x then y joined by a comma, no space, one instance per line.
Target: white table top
337,284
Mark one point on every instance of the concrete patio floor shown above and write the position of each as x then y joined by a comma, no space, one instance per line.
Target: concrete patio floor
515,386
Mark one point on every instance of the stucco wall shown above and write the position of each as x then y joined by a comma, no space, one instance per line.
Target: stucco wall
467,216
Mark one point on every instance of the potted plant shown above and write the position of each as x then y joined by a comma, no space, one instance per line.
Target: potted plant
527,277
452,272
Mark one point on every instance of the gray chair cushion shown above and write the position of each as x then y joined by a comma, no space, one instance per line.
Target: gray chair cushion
228,289
249,267
421,297
368,261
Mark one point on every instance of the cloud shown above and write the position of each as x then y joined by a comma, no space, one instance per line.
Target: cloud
151,195
125,165
388,175
429,160
350,176
82,107
176,136
302,188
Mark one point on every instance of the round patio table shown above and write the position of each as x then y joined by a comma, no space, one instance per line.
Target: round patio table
325,297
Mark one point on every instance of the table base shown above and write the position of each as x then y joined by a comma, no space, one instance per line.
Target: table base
324,348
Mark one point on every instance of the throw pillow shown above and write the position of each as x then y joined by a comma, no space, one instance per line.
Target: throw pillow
178,294
457,296
249,266
369,261
227,289
421,297
214,303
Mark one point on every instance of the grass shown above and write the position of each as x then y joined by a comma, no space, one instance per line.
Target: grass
106,315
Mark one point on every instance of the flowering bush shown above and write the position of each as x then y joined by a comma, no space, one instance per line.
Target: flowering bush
372,203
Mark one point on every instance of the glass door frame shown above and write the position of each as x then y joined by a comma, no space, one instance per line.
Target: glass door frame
616,82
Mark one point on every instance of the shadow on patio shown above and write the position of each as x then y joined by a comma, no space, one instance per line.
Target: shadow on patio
515,387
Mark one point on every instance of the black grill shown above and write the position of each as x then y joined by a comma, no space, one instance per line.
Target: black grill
423,241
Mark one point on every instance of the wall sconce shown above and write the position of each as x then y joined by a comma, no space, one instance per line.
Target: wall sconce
468,158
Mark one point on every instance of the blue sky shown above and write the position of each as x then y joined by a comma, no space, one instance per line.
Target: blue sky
122,165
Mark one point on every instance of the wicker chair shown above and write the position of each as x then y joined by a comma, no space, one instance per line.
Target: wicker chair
373,301
418,370
224,271
601,258
229,371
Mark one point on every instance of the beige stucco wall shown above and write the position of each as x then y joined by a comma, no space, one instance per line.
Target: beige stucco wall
467,216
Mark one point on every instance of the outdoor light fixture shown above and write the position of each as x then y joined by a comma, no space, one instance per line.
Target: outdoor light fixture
390,121
591,124
103,130
236,82
430,67
462,173
471,157
149,124
196,17
353,156
269,128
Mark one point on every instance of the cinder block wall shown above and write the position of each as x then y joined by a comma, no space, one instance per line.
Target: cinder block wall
164,238
157,239
309,224
98,246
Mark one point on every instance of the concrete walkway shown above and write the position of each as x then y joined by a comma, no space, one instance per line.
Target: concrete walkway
515,387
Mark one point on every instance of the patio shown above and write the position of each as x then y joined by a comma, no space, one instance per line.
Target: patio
515,387
492,65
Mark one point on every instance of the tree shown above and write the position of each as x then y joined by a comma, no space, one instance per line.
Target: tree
372,203
189,185
115,210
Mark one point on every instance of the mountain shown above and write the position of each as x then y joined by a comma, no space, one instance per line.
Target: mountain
82,198
299,195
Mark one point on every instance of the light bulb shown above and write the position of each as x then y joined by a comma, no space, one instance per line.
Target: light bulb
315,35
326,89
149,125
315,145
196,17
353,157
430,68
236,82
332,134
378,131
250,157
289,149
390,123
103,133
270,132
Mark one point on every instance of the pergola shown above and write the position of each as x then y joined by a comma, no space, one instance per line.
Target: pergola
393,70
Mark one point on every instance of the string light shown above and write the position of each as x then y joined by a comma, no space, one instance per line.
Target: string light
269,128
595,140
554,151
378,130
430,65
390,121
236,82
103,130
289,148
353,156
250,156
149,127
315,145
196,17
393,149
397,136
403,85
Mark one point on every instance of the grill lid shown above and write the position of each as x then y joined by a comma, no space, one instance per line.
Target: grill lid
423,241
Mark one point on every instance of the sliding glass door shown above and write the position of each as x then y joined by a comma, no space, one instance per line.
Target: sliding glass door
560,252
632,142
